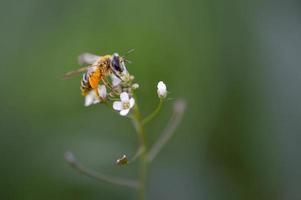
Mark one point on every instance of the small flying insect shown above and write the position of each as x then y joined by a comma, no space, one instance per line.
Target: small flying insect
99,67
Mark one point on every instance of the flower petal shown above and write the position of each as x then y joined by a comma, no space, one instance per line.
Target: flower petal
102,91
132,102
89,99
117,105
96,100
124,97
115,80
124,112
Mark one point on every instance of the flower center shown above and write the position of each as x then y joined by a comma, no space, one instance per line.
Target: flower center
126,105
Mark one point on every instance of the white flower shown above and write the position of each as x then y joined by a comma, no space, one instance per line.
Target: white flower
91,97
162,92
125,104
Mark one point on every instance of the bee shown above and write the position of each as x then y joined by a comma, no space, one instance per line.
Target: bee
98,69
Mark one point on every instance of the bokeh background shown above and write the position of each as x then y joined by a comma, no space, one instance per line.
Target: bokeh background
236,63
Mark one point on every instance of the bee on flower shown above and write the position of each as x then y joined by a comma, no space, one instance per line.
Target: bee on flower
107,81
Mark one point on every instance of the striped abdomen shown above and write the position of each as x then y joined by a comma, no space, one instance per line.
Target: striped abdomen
94,74
85,86
90,80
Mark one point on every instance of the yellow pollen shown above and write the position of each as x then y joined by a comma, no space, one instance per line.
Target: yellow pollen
125,105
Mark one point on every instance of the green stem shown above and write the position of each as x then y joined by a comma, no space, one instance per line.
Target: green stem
138,123
70,158
154,113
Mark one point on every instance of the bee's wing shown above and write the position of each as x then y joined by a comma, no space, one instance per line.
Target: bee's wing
76,72
87,58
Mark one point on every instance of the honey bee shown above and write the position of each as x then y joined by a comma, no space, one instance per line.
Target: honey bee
97,71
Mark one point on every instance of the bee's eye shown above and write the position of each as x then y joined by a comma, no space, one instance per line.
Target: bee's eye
116,64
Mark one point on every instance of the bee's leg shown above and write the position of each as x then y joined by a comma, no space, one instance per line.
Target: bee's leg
97,94
107,83
112,88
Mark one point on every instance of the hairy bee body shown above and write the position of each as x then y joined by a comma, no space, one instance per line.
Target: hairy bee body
98,70
94,74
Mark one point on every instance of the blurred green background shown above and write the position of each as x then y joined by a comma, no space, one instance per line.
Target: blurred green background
236,63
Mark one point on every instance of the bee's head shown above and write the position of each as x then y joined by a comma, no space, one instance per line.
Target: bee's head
117,64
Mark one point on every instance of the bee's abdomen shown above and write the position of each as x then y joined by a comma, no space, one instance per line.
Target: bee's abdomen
85,86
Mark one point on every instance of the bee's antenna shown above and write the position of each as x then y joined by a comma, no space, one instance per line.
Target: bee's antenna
128,61
128,53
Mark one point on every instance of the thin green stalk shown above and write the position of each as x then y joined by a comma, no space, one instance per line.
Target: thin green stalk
154,113
138,123
74,163
178,111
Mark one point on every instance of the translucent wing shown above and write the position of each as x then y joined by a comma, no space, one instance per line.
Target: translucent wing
76,72
87,58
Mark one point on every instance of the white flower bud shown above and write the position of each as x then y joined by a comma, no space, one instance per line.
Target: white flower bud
135,86
162,91
132,77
